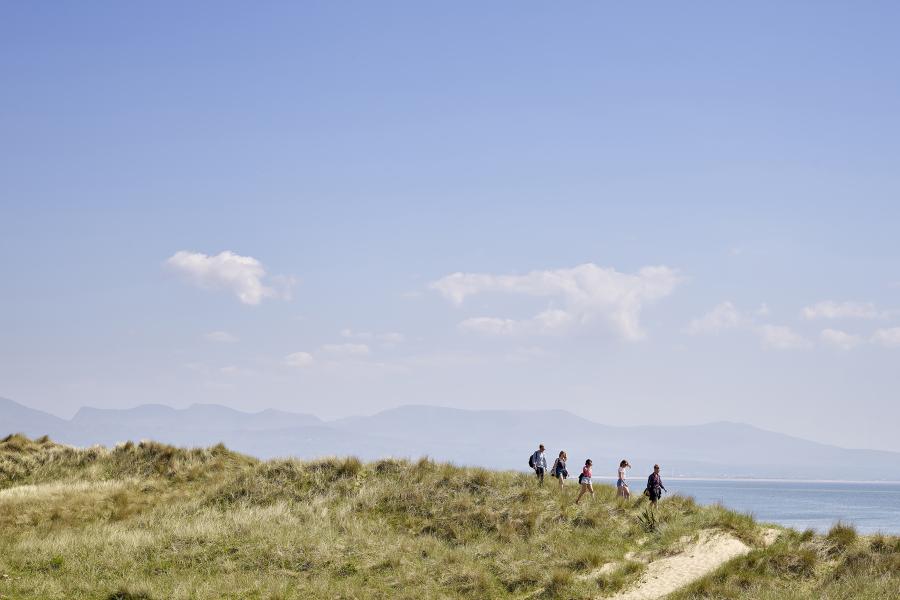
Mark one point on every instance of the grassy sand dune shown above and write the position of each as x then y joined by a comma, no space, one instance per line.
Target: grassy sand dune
155,522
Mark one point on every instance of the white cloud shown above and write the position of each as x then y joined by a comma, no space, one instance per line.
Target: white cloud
722,317
490,325
887,337
220,336
548,322
346,349
840,339
387,339
780,337
590,294
828,309
299,359
241,275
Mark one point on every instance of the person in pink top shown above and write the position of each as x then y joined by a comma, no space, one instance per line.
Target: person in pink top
585,480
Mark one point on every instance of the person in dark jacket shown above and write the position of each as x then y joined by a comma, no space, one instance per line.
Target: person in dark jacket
559,468
655,486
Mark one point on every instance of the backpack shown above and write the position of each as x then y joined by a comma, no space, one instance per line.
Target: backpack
531,461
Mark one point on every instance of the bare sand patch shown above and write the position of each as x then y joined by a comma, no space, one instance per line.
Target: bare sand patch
709,552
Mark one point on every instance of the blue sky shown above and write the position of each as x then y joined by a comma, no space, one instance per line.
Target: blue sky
352,157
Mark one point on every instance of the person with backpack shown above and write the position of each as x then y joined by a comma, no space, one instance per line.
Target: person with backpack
559,468
655,486
538,463
585,480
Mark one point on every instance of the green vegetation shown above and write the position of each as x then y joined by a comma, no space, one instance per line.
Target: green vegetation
149,521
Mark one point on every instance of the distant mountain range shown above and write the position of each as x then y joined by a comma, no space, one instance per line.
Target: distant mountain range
500,439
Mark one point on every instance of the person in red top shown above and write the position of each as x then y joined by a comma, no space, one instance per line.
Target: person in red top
585,480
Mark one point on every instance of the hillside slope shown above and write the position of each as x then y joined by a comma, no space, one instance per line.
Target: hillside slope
496,439
151,521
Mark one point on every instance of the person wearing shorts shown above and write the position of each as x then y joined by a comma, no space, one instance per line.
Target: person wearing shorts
559,468
585,480
622,490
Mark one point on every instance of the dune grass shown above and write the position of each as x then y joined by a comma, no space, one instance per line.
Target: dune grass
806,566
151,521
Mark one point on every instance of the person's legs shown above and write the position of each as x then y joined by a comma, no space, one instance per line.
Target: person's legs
581,493
626,493
591,489
540,474
560,478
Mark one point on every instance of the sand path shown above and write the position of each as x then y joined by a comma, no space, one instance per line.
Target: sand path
664,576
712,549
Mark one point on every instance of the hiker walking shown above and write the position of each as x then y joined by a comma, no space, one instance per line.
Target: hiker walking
585,480
559,468
622,485
655,486
539,463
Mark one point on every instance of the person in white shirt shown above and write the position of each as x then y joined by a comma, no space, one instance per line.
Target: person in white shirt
539,463
622,490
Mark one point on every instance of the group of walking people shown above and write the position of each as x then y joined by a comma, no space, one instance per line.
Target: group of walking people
538,462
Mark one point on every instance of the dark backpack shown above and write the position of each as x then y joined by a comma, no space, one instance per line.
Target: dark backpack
531,461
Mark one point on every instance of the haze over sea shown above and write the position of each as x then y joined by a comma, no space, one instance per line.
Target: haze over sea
870,506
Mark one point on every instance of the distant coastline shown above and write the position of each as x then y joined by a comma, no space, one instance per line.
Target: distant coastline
770,479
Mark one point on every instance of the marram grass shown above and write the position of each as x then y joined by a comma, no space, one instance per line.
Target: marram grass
149,521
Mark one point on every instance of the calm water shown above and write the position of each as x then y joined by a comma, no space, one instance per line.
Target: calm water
870,507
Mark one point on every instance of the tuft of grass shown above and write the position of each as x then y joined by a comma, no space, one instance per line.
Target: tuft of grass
649,520
127,595
560,580
15,442
840,538
620,578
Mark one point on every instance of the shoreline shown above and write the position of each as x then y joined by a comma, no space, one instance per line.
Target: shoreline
766,480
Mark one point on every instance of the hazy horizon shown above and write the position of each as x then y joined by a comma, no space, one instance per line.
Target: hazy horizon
672,216
399,407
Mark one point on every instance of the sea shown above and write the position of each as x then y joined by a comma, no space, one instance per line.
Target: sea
870,507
